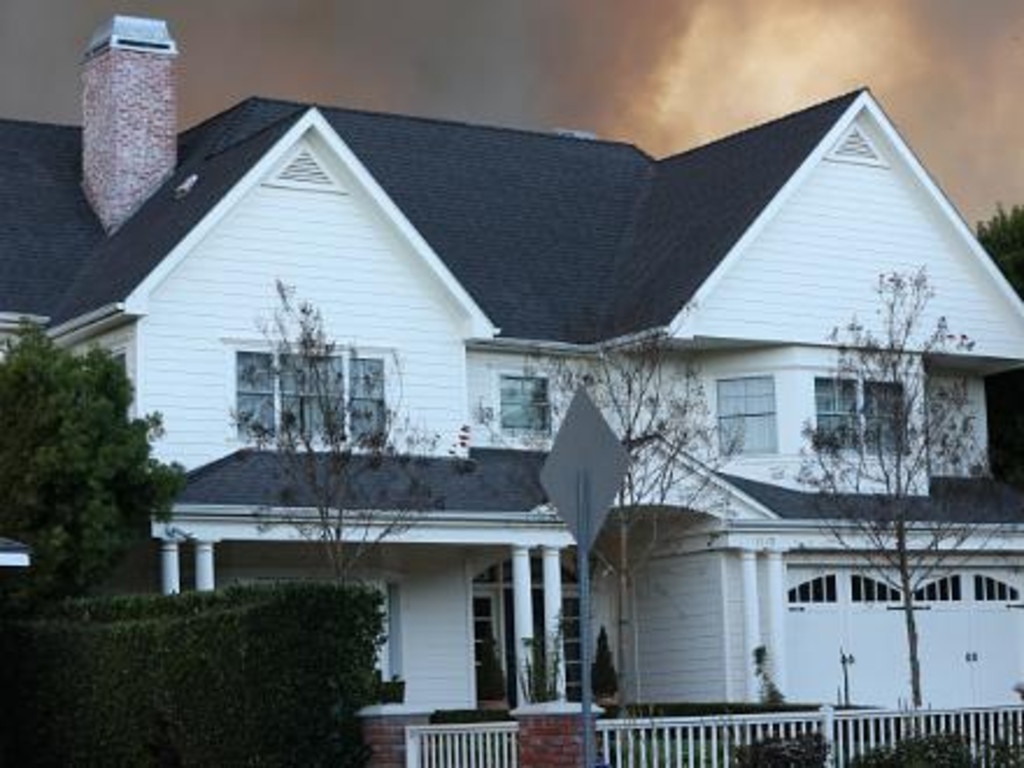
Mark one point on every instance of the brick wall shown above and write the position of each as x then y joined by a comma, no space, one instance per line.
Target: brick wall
129,129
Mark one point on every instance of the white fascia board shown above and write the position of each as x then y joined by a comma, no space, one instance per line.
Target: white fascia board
480,324
821,536
311,121
747,502
14,560
84,325
682,325
10,321
939,198
243,523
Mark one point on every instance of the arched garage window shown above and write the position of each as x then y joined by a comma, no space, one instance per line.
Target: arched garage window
944,590
821,589
864,589
988,589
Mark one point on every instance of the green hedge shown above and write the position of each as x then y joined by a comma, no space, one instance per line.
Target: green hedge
253,676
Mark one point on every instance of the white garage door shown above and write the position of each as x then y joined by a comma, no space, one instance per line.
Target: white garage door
846,639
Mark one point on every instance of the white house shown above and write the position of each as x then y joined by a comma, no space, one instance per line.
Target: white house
454,260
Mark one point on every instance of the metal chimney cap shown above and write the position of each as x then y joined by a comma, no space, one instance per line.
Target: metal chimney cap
132,33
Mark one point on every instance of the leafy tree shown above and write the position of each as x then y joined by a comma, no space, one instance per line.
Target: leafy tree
77,481
1003,237
904,426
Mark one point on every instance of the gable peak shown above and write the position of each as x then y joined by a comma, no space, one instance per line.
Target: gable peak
855,146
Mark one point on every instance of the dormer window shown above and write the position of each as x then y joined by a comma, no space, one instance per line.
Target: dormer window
525,408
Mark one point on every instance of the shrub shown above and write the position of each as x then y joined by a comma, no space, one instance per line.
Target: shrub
254,676
937,751
469,716
805,751
604,679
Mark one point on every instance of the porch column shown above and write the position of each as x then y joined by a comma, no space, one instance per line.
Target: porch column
522,601
553,612
204,566
777,618
170,572
751,621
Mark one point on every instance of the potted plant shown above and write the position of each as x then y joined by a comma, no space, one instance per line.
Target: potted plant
390,691
604,679
490,678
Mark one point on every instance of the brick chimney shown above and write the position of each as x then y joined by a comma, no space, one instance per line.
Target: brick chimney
129,124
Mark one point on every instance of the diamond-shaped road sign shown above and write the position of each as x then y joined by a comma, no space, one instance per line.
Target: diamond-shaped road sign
586,453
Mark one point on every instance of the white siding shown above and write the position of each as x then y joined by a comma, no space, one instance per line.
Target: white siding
682,640
437,650
817,262
338,253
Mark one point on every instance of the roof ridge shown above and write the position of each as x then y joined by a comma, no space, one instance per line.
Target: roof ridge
535,132
765,124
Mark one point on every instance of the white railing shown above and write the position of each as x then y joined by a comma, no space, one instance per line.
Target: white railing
710,742
694,742
482,745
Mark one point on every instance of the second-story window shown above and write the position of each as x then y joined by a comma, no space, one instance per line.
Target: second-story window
366,407
254,402
884,416
308,397
835,403
746,415
525,408
312,394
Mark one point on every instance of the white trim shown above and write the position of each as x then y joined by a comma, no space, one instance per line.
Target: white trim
961,228
249,523
81,325
14,560
311,122
683,324
768,213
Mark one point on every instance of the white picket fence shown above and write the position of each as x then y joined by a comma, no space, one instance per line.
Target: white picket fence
483,745
710,742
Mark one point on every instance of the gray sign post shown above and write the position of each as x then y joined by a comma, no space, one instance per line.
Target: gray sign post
581,476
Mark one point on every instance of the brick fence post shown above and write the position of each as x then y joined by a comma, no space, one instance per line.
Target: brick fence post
383,727
549,735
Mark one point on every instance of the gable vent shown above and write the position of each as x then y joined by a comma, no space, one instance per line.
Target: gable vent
304,172
855,147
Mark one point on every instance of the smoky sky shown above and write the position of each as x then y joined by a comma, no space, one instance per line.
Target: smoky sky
663,74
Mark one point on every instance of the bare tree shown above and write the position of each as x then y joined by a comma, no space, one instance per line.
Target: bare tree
353,471
653,396
889,423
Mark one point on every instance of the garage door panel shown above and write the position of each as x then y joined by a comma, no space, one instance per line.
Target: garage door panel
879,674
995,661
943,641
814,636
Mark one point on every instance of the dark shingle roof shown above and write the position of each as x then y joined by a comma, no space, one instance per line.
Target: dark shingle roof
555,238
490,480
959,500
46,225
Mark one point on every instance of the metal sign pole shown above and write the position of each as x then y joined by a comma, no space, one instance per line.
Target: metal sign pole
583,575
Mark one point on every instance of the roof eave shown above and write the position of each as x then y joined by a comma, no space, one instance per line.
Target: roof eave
83,326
